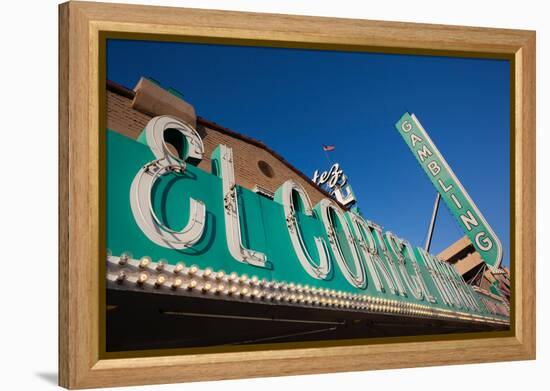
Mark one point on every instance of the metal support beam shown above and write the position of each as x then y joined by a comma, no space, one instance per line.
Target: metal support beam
432,223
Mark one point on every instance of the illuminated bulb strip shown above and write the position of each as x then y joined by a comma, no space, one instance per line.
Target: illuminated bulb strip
147,275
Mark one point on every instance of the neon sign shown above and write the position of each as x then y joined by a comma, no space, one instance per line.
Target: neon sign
336,182
205,231
461,205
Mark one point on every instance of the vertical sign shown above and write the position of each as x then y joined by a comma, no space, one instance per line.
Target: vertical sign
453,193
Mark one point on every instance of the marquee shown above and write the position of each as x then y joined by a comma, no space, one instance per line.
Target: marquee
176,229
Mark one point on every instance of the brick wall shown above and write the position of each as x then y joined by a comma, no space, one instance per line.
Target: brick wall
121,117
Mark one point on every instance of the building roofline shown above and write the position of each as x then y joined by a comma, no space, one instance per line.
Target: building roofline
120,89
130,94
260,144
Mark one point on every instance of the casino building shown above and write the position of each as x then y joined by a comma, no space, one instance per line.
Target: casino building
168,320
467,261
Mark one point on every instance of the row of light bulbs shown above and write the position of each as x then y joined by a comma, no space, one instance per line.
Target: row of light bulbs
146,273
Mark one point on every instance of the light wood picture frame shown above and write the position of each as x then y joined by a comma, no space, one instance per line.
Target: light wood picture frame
83,26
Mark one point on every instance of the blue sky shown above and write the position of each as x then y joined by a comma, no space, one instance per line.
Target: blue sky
295,100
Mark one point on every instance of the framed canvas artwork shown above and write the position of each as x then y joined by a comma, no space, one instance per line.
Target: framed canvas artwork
255,195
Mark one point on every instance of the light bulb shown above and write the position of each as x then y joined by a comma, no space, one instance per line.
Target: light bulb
124,258
179,267
142,278
244,291
160,281
144,262
121,277
160,265
177,283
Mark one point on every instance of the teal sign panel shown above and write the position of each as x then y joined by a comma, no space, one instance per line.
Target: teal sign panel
461,205
416,277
